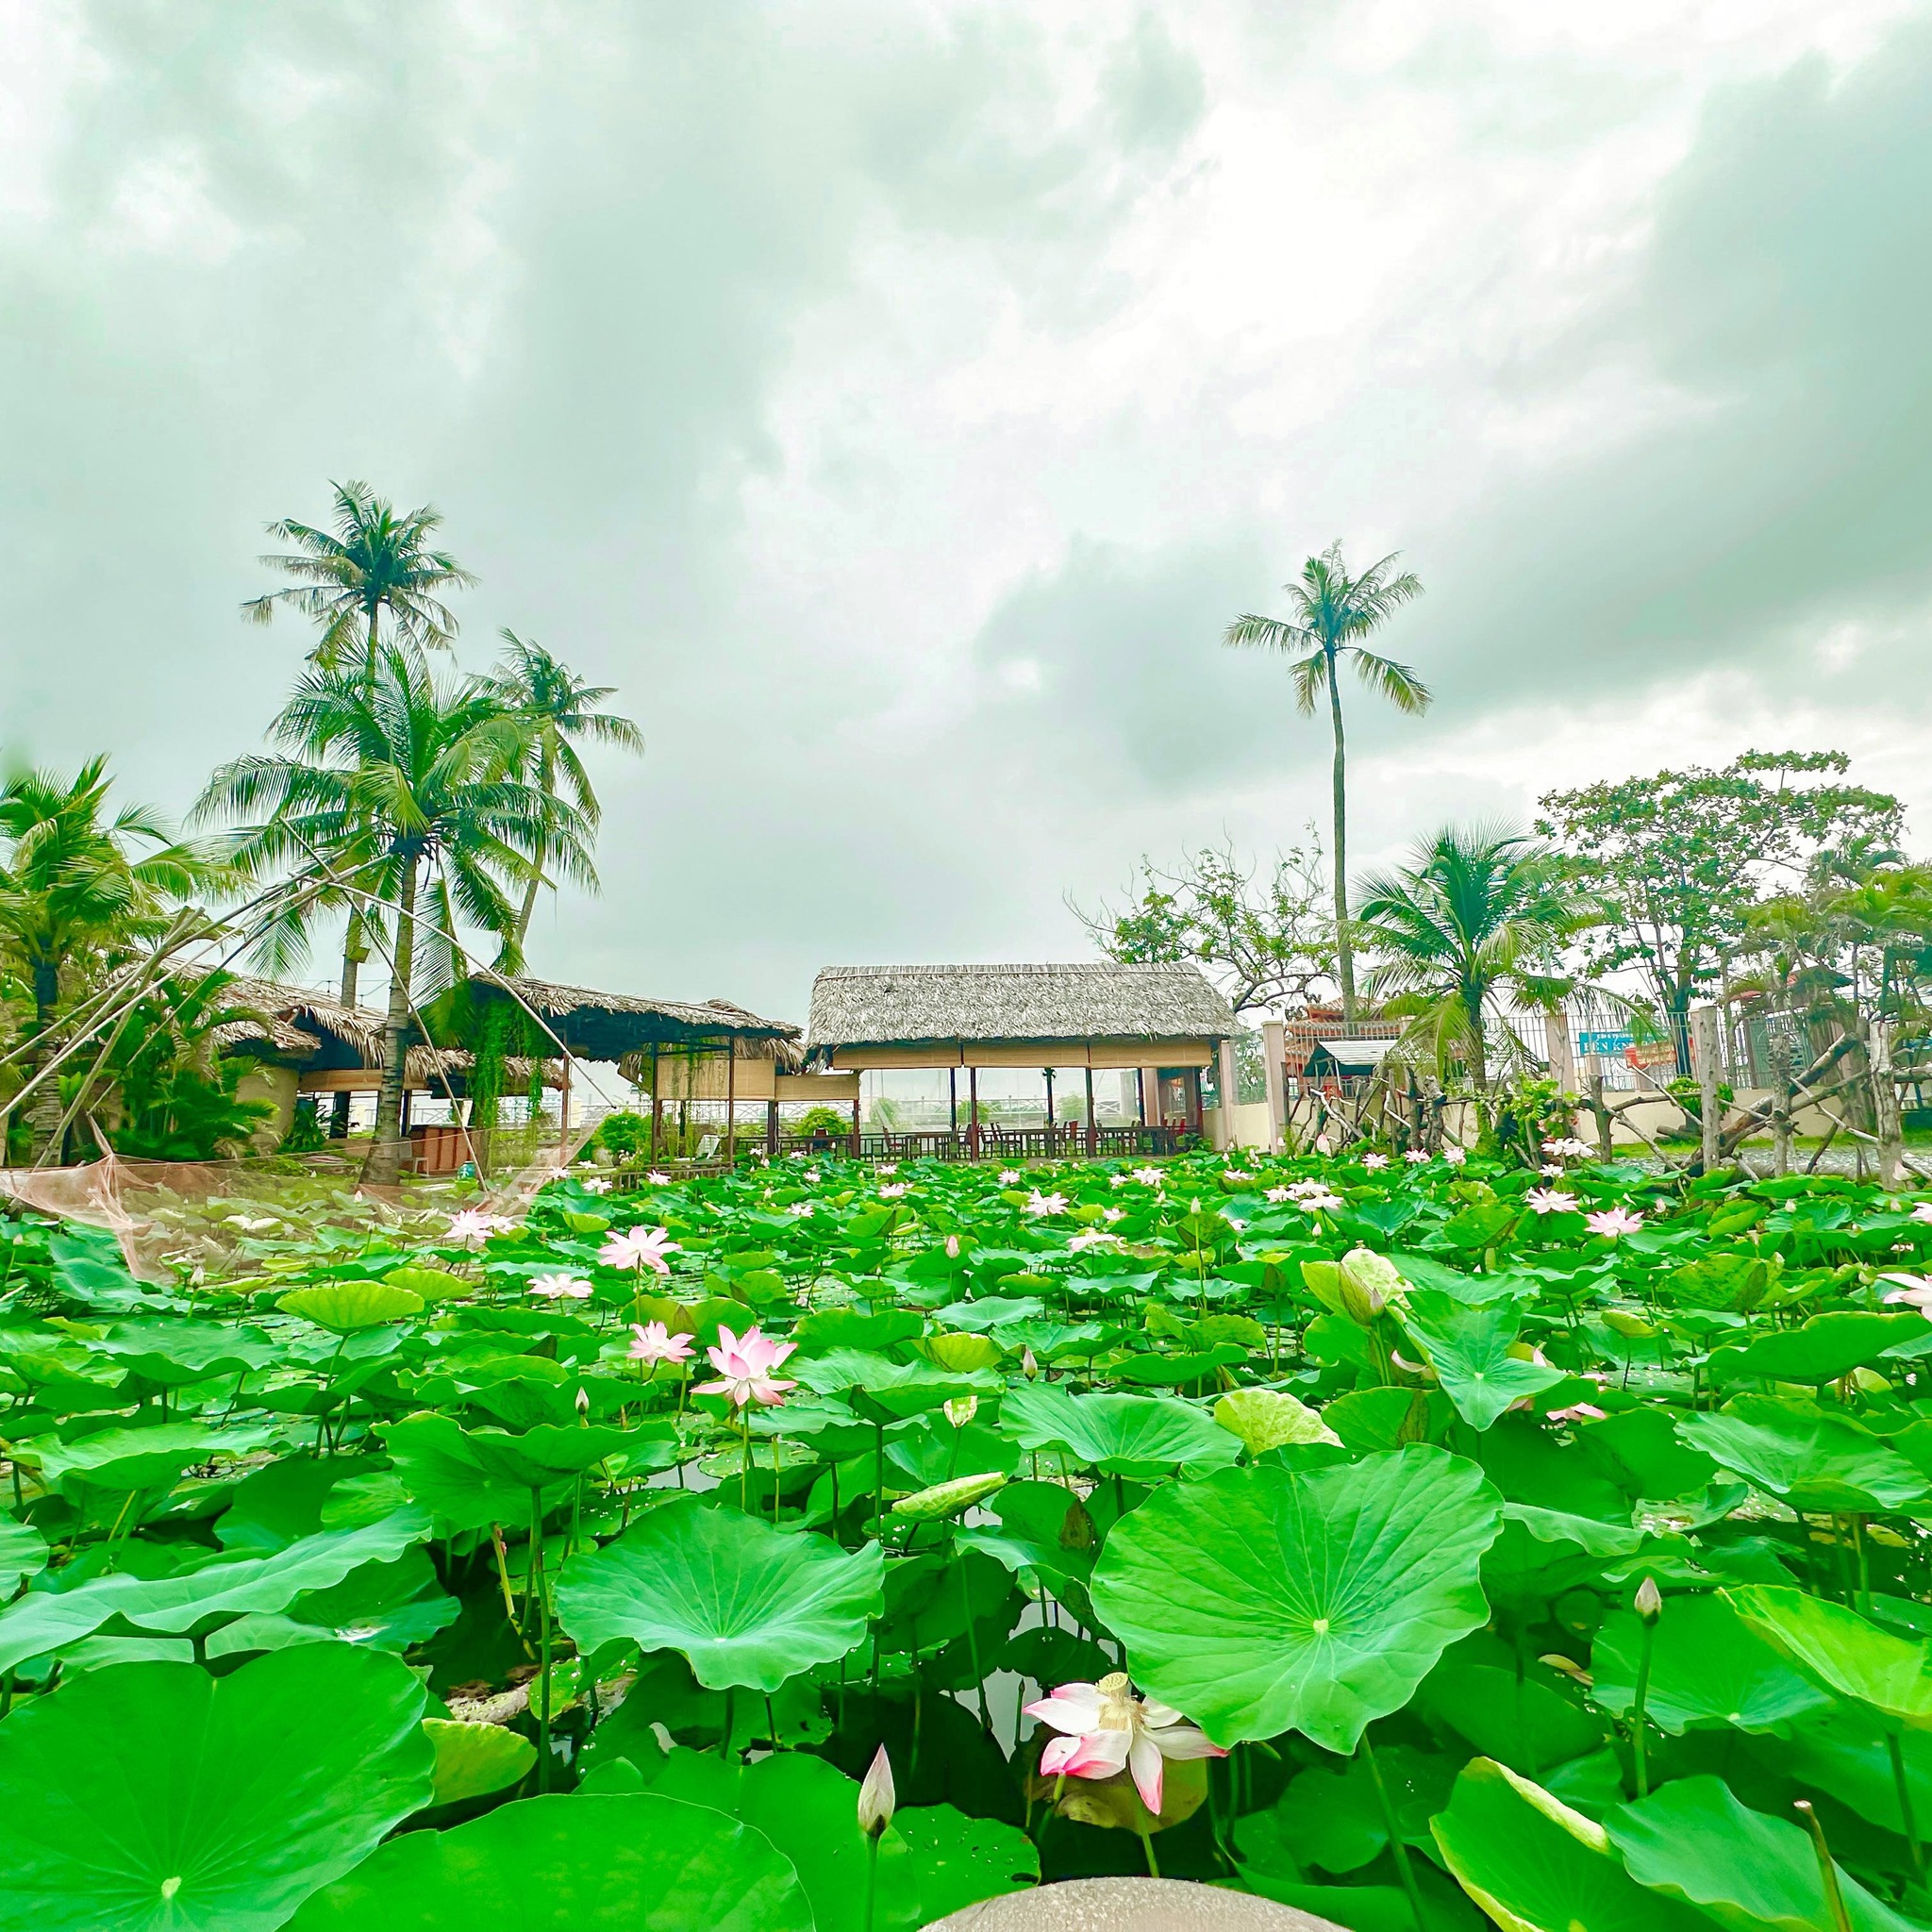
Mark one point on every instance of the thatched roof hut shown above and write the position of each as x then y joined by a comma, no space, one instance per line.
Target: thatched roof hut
616,1025
1095,1012
295,1026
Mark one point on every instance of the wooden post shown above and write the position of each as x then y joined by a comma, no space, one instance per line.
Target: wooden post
1093,1125
1600,1112
1886,1119
731,1105
1706,1064
953,1102
1141,1092
657,1104
973,1111
771,1130
1050,1147
563,1116
856,1100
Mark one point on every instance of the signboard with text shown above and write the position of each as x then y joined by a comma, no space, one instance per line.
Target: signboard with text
1614,1045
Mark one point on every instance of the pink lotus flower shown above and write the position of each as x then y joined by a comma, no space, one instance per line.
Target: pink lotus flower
1612,1221
1375,1161
1107,1729
1578,1413
651,1342
1922,1210
471,1227
1324,1144
1914,1289
1416,1157
1549,1200
560,1286
744,1368
639,1247
1455,1156
951,1247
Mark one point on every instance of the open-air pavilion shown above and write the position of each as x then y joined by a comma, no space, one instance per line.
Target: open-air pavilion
681,1052
1145,1032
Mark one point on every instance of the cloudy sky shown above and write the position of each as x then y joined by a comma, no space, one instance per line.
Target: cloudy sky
895,399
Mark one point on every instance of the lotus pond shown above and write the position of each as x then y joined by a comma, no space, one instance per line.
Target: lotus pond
1420,1543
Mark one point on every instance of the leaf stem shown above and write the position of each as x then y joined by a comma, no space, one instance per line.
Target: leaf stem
1394,1826
1827,1871
1896,1746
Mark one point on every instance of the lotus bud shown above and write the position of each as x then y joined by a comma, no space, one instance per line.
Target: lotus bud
1029,1364
952,1248
583,1401
1649,1600
961,1410
1369,1283
877,1799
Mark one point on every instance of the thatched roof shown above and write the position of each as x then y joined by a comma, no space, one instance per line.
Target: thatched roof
884,1005
607,1025
290,1023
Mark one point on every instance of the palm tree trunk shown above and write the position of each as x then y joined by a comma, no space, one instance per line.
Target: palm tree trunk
546,777
44,1106
354,950
1345,952
385,1152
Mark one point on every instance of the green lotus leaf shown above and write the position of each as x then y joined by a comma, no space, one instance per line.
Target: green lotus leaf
961,1352
1534,1865
1265,1419
1813,1461
1368,1419
473,1760
891,1391
957,1860
1468,1349
1827,1347
150,1458
1263,1600
745,1603
23,1553
1521,1719
170,1352
1692,1840
1708,1668
1849,1655
154,1795
466,1476
1139,1436
949,1498
632,1863
1335,1820
203,1599
432,1284
1565,1526
345,1306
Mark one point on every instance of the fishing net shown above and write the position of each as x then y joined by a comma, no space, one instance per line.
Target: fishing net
215,1220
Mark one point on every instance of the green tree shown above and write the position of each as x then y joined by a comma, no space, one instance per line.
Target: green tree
80,892
1331,612
416,795
1679,859
1478,913
1265,940
561,708
373,560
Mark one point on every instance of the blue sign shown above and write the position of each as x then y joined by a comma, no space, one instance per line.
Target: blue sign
1612,1043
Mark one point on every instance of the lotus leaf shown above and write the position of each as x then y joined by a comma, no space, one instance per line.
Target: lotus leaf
1470,1351
1708,1667
473,1760
1813,1461
1692,1840
745,1603
1262,1600
632,1864
1849,1655
1265,1419
1136,1436
345,1306
152,1794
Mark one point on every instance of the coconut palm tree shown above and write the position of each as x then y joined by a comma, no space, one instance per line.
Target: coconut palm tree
79,894
1478,913
1330,613
409,794
373,560
561,707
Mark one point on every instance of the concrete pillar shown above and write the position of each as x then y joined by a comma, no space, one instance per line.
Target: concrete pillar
1275,1069
1225,1071
1706,1064
1562,1057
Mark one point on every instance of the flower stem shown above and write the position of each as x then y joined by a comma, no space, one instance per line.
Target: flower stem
871,1875
1147,1846
1907,1823
1827,1871
1640,1698
1393,1824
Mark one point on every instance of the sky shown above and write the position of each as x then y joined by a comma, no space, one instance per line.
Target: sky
896,401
